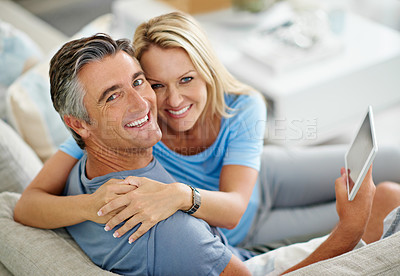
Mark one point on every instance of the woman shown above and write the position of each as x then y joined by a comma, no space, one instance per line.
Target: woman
204,113
213,129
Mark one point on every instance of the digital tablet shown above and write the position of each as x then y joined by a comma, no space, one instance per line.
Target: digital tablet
360,155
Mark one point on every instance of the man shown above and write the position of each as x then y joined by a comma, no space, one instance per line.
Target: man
102,95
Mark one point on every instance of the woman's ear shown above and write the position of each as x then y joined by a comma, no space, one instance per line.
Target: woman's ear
79,126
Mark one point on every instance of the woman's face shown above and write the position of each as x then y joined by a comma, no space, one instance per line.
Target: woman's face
181,91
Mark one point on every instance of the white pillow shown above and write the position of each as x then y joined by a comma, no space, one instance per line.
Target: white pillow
18,163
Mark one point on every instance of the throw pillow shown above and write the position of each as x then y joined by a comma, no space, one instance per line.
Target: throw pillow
31,112
18,53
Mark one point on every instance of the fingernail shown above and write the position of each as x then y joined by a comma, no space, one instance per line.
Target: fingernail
100,213
130,241
107,228
115,235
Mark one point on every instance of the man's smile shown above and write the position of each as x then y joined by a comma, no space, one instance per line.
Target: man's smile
139,122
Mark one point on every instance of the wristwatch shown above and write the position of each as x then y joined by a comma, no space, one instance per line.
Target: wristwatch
196,200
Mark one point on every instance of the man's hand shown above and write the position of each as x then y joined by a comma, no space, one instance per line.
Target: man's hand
149,204
354,215
112,189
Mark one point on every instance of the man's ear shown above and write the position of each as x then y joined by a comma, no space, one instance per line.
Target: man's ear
79,126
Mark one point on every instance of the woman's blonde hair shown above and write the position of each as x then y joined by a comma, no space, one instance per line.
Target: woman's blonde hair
177,29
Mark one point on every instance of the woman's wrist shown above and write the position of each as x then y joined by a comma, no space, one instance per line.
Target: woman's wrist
185,195
89,206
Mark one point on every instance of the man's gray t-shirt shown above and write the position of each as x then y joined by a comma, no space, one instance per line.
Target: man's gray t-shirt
179,245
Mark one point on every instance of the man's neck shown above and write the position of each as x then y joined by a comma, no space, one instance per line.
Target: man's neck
102,161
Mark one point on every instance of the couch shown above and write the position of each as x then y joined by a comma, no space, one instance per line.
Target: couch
30,132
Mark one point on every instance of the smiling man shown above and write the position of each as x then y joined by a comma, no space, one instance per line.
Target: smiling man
101,93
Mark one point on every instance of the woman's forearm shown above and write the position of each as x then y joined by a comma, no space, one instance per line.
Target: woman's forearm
221,209
225,208
43,210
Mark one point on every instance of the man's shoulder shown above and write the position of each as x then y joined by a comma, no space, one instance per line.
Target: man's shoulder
177,245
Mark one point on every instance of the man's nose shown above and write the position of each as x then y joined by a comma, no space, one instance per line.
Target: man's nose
174,97
137,102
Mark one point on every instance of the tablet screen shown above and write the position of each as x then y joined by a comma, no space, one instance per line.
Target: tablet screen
360,155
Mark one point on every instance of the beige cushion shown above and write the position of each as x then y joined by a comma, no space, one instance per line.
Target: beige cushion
32,114
31,251
18,163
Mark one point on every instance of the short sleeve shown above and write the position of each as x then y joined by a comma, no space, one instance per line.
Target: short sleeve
187,246
246,132
70,147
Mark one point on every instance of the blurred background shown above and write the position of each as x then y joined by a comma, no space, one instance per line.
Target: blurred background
69,16
319,63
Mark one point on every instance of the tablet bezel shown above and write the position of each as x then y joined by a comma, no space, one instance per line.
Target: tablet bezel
371,156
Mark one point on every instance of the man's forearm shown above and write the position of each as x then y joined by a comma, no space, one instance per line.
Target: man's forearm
340,241
39,209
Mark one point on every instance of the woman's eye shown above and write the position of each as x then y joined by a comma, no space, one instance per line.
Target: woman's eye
156,86
112,97
186,79
137,82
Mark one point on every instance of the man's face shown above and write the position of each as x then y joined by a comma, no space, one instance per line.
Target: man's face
120,103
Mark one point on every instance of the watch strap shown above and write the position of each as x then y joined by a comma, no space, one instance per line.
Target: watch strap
196,199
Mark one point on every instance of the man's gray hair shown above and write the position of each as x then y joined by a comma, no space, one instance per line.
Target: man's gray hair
67,92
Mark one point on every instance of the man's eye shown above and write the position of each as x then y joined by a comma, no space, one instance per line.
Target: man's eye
186,79
137,82
112,97
156,86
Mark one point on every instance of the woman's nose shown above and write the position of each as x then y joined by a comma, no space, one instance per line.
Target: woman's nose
174,97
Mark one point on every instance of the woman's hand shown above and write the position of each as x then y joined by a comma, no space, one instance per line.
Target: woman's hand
112,189
149,204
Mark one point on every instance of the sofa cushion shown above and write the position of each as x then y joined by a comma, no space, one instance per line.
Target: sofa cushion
18,163
30,251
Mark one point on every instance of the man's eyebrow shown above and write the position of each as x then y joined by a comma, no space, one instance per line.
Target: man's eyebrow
107,91
137,74
117,86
